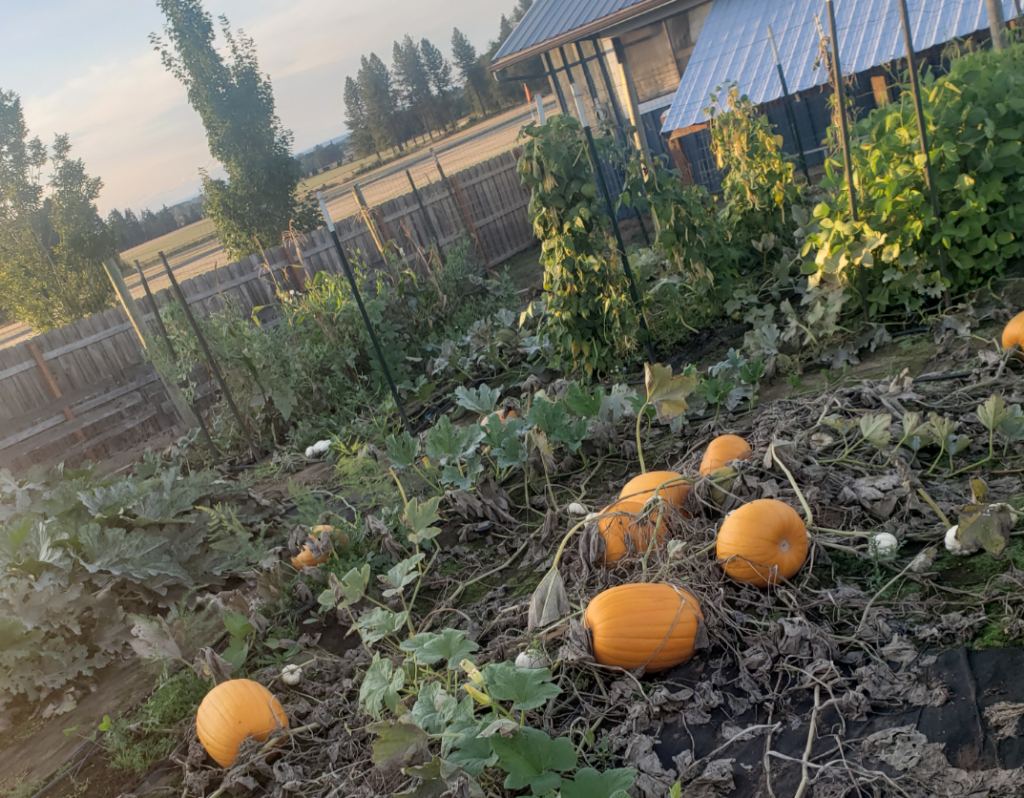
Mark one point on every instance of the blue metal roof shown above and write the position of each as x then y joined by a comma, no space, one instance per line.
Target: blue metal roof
734,46
549,19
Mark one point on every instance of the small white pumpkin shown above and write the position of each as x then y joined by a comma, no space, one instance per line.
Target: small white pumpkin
952,544
576,509
883,545
533,658
291,675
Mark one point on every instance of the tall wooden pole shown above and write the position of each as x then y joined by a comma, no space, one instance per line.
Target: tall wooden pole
840,90
996,24
426,216
922,128
174,359
467,224
135,317
211,361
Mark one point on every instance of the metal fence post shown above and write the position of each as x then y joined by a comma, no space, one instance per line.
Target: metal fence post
210,359
789,106
596,163
346,267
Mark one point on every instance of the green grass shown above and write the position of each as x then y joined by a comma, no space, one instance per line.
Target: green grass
136,741
176,241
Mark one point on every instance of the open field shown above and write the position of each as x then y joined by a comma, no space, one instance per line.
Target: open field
145,253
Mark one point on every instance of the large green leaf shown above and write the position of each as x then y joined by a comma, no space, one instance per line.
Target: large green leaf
401,574
468,750
136,555
450,645
480,400
397,742
590,783
380,687
532,759
529,688
402,450
378,623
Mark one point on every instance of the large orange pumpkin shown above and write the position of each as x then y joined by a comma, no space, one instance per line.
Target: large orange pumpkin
234,711
306,558
626,519
1013,332
762,541
724,449
651,625
667,484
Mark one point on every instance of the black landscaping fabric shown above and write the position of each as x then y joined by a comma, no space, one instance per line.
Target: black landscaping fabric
975,681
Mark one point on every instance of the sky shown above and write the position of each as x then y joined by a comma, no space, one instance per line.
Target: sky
86,68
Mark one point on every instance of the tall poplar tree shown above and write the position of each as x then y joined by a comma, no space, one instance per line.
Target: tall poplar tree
236,104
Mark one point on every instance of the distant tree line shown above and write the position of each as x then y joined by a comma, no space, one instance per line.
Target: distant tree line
423,93
131,229
320,157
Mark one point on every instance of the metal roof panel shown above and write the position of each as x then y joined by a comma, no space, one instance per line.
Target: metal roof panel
734,46
548,19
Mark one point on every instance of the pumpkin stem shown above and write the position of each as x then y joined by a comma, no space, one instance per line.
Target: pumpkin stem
639,447
789,476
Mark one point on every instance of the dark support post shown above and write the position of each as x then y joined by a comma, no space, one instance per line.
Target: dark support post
789,106
619,121
210,360
174,358
915,88
596,163
556,83
347,268
426,216
594,100
840,88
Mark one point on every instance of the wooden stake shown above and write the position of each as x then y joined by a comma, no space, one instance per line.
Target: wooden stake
54,388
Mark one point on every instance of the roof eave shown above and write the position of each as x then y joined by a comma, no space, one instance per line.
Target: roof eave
582,32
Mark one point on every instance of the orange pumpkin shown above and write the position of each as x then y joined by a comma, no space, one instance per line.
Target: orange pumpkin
306,558
762,541
503,416
234,711
625,519
1013,332
724,449
654,626
667,484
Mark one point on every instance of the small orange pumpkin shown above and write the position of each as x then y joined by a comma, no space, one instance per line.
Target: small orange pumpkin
306,558
762,541
650,625
667,484
234,711
503,416
625,518
724,449
1013,332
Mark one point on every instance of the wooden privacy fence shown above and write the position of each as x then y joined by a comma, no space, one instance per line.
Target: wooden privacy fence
87,390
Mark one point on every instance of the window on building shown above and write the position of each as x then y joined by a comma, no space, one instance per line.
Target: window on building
658,53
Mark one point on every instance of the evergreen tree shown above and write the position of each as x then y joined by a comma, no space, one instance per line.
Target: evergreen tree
355,118
520,11
378,98
51,249
236,104
414,82
115,221
134,233
473,74
439,72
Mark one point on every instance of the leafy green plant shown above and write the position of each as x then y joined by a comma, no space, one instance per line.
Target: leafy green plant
588,315
974,133
666,395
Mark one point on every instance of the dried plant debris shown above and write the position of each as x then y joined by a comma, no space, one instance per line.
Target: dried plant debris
813,687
